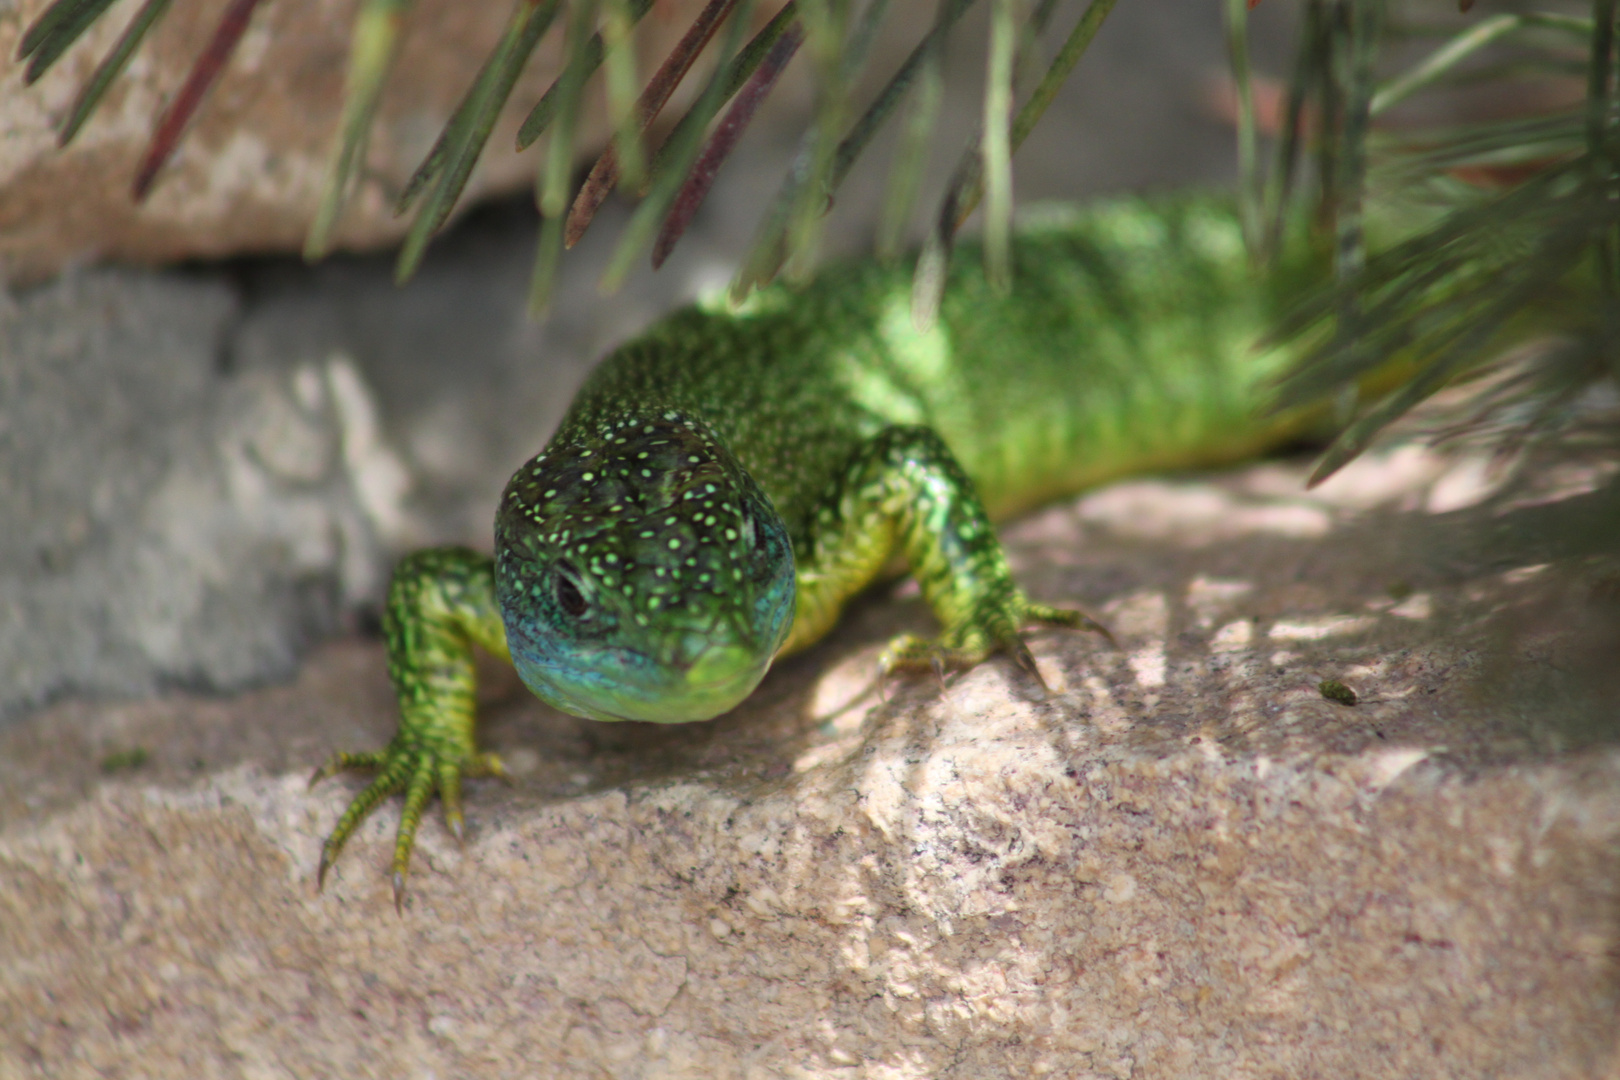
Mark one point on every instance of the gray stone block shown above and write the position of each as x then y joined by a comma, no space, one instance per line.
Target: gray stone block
163,521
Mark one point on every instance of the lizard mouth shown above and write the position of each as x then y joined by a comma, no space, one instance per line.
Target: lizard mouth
621,685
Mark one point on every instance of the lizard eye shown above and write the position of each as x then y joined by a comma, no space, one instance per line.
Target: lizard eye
565,588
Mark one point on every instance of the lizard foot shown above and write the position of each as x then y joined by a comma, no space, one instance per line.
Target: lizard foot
976,639
416,770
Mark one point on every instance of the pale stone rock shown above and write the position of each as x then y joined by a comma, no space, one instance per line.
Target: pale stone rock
248,175
1196,866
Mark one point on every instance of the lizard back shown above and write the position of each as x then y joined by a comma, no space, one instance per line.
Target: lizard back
1126,343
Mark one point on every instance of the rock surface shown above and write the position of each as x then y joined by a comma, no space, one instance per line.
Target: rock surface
151,503
1185,861
248,175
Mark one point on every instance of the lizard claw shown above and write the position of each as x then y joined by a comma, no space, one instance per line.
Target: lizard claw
418,772
1074,618
994,630
1026,660
345,762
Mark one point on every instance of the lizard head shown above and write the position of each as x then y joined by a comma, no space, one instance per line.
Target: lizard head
641,572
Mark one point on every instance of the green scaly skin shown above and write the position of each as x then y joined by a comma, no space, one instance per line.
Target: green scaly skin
642,565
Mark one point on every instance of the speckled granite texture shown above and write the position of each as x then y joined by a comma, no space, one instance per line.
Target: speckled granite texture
1185,862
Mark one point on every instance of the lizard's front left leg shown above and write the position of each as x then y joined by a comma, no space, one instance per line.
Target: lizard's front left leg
904,493
440,603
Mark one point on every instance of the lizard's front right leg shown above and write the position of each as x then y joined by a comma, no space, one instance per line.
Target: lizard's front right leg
440,603
903,493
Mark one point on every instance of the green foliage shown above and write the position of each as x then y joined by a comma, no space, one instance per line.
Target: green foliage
671,178
442,176
1536,246
1520,218
55,31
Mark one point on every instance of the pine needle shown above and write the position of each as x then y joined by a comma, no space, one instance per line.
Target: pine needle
905,172
618,33
464,137
172,124
1444,61
840,60
967,182
54,32
1249,192
770,250
95,88
545,110
373,47
557,166
996,145
722,142
676,157
604,175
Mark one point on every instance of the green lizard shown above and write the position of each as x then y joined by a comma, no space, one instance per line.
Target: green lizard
724,484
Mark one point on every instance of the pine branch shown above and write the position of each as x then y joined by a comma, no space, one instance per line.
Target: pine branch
1488,270
837,43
